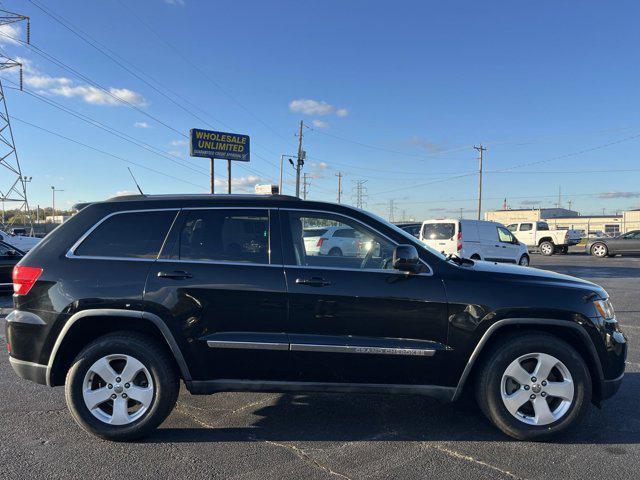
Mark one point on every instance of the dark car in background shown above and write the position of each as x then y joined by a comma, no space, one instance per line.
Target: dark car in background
625,244
132,295
9,256
412,228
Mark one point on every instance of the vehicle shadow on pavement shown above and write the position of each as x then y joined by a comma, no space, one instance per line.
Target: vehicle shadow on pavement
344,418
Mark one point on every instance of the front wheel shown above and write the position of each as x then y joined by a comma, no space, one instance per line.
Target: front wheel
547,248
534,386
121,386
599,250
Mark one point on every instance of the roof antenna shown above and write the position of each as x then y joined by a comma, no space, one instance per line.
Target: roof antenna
135,181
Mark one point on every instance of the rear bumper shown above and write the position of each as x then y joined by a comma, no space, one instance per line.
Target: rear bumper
29,371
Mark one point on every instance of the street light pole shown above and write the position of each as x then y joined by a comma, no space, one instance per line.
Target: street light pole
53,201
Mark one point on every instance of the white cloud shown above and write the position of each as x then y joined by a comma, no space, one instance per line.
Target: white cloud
179,143
179,3
141,125
65,87
320,165
308,106
95,96
320,123
122,193
175,153
8,33
608,195
248,181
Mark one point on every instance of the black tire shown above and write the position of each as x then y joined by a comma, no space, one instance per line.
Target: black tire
488,386
564,250
524,261
475,256
335,252
596,251
547,248
157,361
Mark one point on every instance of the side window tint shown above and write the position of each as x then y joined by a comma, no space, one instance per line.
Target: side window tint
513,227
525,227
226,235
128,235
355,248
4,250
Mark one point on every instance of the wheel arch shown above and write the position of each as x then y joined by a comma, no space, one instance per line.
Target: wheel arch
570,332
546,239
81,328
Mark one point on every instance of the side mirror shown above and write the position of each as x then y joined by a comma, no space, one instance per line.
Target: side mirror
405,258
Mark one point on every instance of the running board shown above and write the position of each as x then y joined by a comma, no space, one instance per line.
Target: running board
199,387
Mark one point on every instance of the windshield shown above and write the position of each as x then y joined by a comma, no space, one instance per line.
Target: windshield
411,239
438,231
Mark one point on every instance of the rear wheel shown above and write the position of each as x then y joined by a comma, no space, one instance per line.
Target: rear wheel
524,261
599,250
121,386
534,386
547,248
335,252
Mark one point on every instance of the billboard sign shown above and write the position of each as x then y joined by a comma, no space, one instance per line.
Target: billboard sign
219,145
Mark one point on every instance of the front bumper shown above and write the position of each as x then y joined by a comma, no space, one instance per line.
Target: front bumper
29,371
610,387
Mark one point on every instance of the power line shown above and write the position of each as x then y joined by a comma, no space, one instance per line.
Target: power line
103,152
199,70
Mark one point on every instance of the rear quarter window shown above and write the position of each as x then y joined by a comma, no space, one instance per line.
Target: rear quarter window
128,235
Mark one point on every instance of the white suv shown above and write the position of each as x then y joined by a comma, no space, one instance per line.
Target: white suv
334,241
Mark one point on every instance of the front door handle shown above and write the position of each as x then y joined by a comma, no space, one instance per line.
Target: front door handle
313,282
176,274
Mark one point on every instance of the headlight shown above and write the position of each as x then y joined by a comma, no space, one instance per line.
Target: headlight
605,310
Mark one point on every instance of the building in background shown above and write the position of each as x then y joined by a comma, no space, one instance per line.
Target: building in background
563,219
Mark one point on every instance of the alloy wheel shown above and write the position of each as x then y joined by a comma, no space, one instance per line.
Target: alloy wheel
118,389
537,389
599,250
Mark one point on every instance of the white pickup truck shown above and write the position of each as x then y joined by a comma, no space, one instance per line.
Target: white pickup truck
539,235
19,241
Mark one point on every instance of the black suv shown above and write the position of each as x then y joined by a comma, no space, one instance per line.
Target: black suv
225,292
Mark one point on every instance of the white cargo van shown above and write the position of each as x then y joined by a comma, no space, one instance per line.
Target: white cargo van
474,239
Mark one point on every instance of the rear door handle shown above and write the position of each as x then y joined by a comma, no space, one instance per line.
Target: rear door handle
176,274
313,282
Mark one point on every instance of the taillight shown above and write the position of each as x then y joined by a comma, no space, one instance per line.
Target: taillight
24,278
320,242
459,241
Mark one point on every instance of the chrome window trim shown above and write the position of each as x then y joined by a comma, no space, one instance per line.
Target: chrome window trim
71,252
428,274
220,262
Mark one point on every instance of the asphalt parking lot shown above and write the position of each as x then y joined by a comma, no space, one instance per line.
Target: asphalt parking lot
248,435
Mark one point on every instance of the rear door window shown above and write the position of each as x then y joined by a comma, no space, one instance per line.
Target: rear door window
128,235
225,236
438,231
526,227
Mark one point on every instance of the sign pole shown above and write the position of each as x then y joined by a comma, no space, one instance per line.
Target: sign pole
229,173
212,178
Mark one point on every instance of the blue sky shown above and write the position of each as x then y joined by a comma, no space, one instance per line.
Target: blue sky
394,93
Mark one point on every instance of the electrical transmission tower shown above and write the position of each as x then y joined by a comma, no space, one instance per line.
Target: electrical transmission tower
360,193
13,185
392,210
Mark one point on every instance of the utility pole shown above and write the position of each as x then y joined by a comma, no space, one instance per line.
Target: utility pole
339,175
212,179
53,201
300,162
480,149
392,210
13,186
360,193
305,184
559,196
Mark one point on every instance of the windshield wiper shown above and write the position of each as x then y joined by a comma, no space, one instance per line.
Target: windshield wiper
459,260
